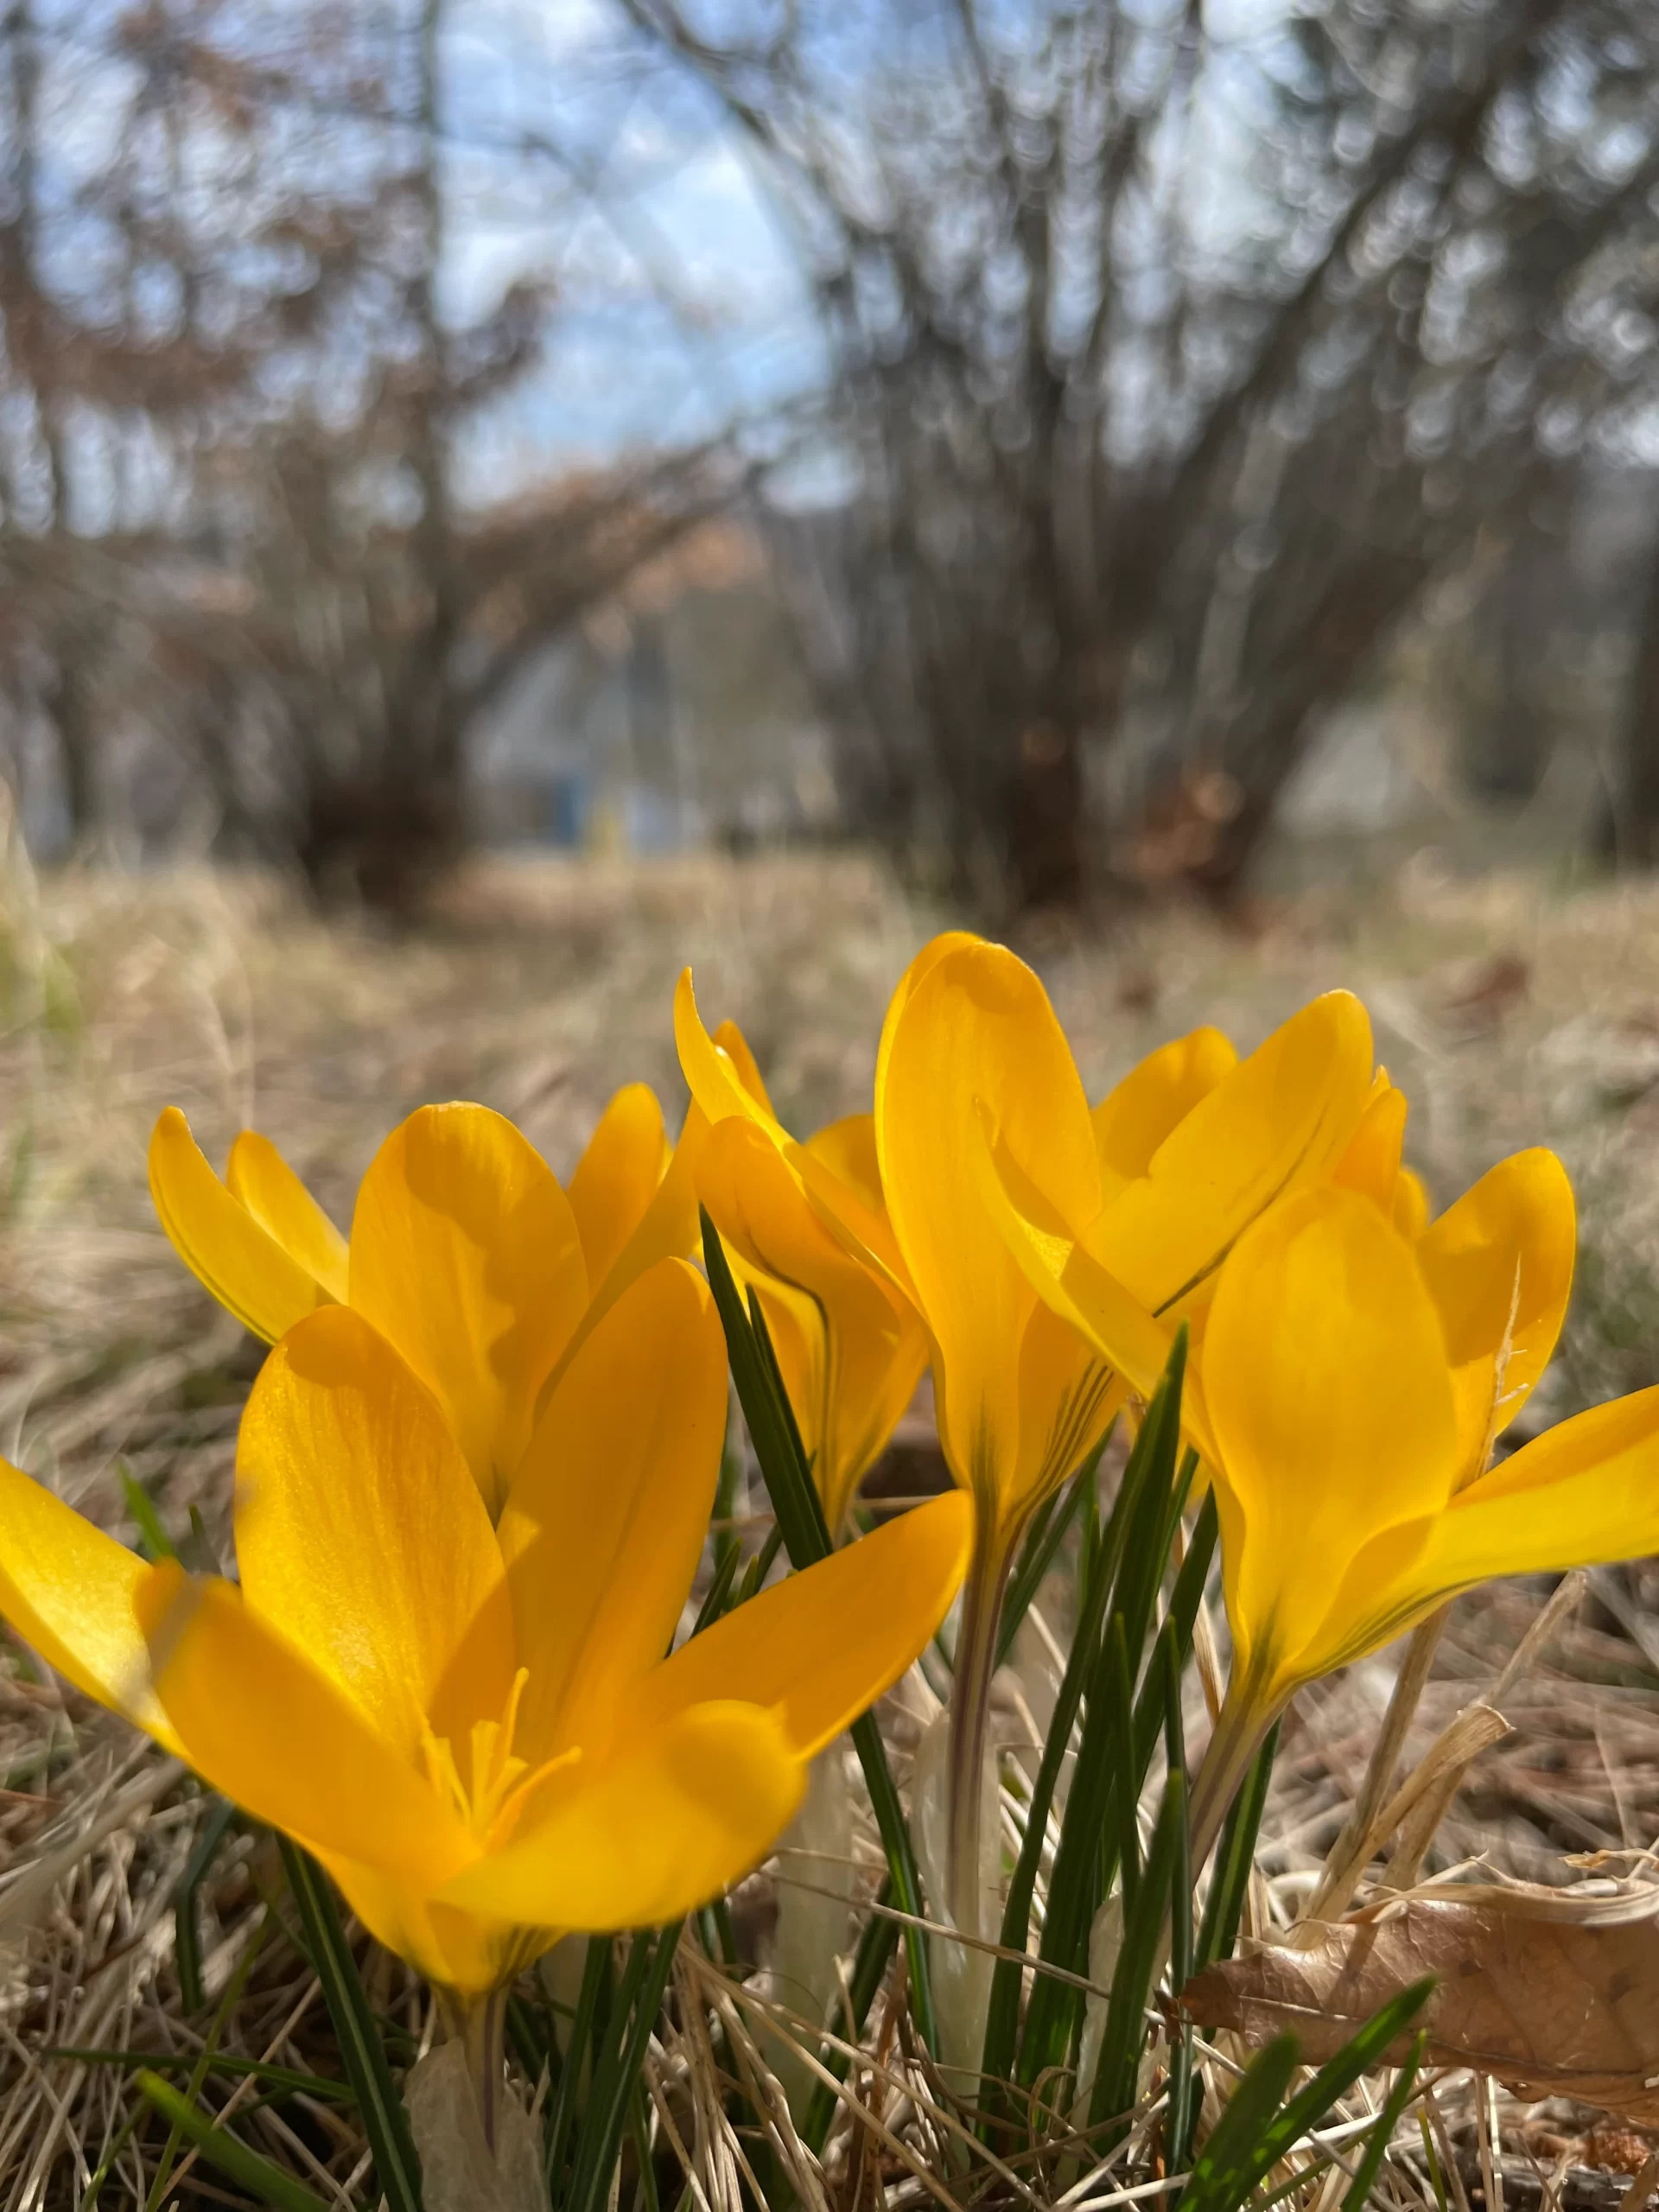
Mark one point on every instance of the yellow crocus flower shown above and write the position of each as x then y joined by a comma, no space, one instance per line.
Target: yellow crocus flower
472,1724
850,1346
993,1173
1351,1384
465,1252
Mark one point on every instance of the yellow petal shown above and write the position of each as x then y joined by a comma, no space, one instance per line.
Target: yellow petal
265,1728
68,1589
668,1229
1279,1123
1132,1122
735,1045
606,1519
847,1148
1070,1281
361,1536
936,950
977,1038
1324,1374
851,1349
678,1815
723,1082
219,1240
820,1647
1499,1267
1411,1204
464,1254
1584,1493
616,1177
1371,1163
469,1952
719,1087
262,1179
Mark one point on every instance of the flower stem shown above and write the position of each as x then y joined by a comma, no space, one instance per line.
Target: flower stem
1352,1853
970,1701
1244,1720
483,2024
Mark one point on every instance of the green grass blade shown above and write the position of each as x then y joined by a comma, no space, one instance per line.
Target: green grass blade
759,1567
1363,2051
1220,2179
385,2121
1144,1917
1178,2123
1043,1541
727,1540
1003,2016
284,2081
800,1517
1376,2143
154,1542
1234,1858
250,2171
726,1564
186,1932
1111,1757
561,2109
617,2076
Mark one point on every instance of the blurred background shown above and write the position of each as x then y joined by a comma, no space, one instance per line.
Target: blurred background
1070,447
499,498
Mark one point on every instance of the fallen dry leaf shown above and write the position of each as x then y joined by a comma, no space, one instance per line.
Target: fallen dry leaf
1556,1997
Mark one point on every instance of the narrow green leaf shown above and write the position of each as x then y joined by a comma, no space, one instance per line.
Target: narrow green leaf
1251,2138
1112,1756
759,1567
1376,2143
800,1517
1098,1553
532,2036
1219,2181
154,1542
1144,1917
726,1564
562,2107
112,2150
1179,2110
727,1542
1234,1858
616,2077
1363,2051
187,1933
284,2080
232,2157
385,2121
1043,1541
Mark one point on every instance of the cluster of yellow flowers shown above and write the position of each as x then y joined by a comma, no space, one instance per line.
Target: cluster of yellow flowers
475,1476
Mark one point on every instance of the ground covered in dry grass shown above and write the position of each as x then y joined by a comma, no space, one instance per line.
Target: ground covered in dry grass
1510,1013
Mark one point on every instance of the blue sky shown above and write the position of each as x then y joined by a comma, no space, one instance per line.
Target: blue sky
680,303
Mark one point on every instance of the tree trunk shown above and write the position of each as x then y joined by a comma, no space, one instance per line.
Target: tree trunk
1635,807
1320,666
1047,855
68,706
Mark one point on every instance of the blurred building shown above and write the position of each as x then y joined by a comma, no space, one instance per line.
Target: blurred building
675,713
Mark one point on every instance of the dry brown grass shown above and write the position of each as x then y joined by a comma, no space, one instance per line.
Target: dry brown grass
1512,1015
